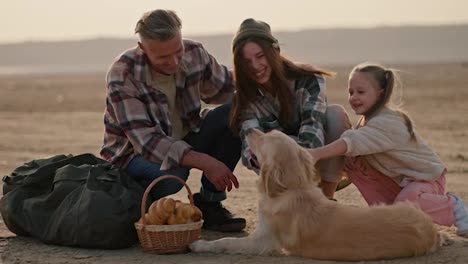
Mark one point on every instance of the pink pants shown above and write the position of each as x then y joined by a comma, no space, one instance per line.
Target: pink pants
377,188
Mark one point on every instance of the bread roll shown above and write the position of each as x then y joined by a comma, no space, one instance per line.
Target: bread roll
192,213
185,213
197,215
186,210
167,204
157,216
150,220
140,221
173,212
177,219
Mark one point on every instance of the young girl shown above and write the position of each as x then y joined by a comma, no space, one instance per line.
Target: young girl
273,92
386,158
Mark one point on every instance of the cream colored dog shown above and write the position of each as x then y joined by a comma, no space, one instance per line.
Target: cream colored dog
294,216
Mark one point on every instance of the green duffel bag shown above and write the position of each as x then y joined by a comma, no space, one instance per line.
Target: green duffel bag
74,201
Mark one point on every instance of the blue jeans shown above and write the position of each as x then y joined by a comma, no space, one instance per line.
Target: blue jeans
146,171
214,138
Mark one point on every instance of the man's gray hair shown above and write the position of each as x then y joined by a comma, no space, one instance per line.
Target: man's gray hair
159,24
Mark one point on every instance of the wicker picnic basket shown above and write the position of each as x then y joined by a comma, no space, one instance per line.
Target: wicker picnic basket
166,238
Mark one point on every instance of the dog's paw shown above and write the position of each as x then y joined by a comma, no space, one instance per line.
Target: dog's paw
201,246
444,239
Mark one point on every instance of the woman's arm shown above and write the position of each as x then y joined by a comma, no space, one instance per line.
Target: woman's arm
310,95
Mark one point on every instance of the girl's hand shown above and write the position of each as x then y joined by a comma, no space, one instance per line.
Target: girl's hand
314,153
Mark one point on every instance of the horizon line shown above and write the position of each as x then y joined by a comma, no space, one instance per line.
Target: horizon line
191,35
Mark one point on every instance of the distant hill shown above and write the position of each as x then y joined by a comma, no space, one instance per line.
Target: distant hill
409,44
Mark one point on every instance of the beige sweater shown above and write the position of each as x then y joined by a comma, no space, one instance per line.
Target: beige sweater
384,142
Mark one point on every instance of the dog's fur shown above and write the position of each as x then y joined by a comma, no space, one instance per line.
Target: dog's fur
294,216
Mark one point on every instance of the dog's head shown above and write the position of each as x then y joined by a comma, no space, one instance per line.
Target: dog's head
283,163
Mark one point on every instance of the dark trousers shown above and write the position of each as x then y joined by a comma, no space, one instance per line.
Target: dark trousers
214,138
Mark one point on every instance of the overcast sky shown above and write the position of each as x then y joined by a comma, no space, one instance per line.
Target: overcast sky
33,20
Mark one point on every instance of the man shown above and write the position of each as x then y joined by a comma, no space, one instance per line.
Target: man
153,124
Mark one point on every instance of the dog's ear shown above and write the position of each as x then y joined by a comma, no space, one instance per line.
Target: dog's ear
272,179
309,163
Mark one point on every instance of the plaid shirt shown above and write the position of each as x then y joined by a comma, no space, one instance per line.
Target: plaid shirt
308,122
136,118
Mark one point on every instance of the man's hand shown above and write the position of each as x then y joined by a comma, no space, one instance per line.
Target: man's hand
220,175
216,171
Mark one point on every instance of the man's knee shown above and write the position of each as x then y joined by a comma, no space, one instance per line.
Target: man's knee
172,188
220,114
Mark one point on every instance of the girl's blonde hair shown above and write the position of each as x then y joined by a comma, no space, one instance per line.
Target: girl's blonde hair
387,79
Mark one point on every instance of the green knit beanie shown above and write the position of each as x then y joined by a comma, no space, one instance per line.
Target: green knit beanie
253,28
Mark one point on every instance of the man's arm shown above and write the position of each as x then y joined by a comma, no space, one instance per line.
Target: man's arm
149,140
144,133
218,83
216,171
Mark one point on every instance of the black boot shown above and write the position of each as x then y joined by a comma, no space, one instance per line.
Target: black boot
216,217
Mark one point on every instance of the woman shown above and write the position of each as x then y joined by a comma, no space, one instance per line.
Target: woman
273,92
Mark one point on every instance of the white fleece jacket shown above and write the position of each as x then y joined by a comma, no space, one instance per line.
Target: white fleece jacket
384,142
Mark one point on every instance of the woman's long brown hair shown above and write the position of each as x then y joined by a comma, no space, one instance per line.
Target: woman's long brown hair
282,70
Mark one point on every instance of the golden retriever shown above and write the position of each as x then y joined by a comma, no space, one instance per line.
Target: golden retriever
295,217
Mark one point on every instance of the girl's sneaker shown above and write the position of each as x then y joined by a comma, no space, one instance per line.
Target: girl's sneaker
460,211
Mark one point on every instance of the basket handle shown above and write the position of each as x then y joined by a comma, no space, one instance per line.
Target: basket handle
152,184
